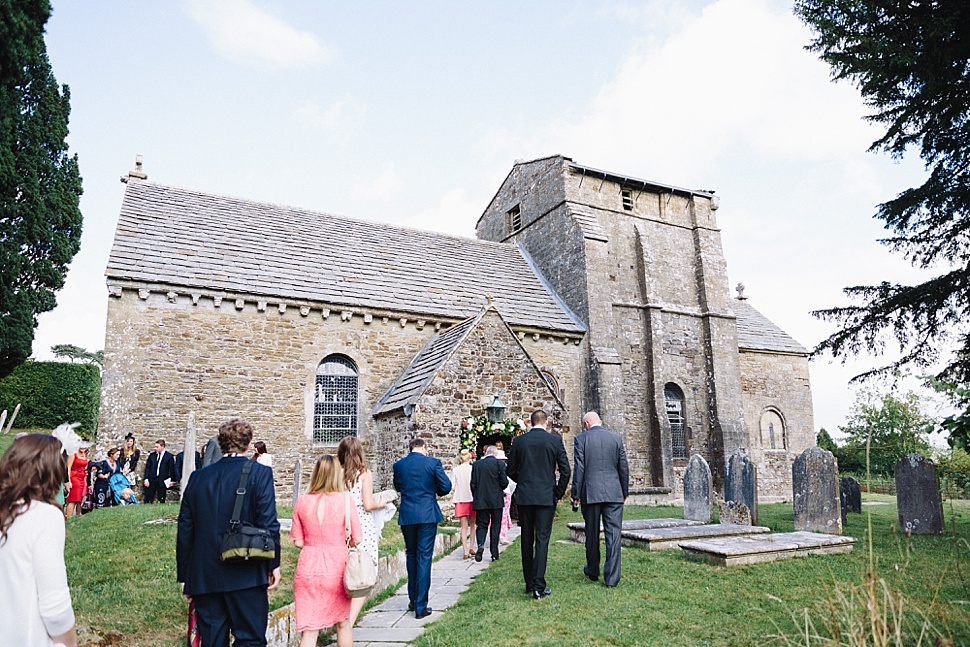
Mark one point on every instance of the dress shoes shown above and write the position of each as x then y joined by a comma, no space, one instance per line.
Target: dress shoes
538,595
410,606
589,575
479,553
496,558
424,614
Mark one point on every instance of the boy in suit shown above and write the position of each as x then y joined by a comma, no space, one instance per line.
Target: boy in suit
159,473
420,479
488,496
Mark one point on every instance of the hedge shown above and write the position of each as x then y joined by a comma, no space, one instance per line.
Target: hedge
52,393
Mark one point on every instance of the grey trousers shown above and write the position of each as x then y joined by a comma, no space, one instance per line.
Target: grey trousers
612,517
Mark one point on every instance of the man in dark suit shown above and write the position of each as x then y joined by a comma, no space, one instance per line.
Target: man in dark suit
159,468
533,460
601,483
180,463
420,479
228,596
488,496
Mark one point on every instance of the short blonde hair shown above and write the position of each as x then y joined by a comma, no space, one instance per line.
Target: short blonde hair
326,475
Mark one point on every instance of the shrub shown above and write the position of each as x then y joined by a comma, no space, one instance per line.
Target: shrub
52,393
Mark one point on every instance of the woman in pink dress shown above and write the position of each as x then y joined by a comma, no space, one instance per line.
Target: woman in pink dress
319,531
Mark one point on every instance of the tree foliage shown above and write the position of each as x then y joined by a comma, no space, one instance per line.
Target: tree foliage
893,425
52,393
40,186
911,63
72,352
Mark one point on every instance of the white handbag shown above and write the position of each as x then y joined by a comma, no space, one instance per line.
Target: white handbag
360,574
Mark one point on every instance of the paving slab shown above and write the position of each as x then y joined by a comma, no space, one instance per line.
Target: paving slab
577,530
730,551
670,538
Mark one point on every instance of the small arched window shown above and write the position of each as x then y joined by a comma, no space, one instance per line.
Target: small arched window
552,382
772,430
674,399
335,400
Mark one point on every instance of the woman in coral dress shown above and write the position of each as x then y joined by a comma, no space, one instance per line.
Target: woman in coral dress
319,531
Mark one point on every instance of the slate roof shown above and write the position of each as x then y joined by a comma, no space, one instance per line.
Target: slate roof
757,332
188,238
424,367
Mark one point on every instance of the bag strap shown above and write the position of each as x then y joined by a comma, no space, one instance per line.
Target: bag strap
240,492
347,517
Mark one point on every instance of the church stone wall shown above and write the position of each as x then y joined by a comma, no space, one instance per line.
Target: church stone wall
775,382
165,357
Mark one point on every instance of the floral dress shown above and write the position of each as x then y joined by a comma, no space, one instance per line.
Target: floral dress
371,537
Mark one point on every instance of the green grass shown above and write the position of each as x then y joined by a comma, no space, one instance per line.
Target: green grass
664,599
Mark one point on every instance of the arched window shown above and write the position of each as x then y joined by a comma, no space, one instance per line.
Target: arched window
335,400
772,430
674,398
552,382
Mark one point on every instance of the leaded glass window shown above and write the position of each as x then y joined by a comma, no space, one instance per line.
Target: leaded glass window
675,415
335,400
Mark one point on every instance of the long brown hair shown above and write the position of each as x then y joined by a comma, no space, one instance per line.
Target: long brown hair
350,453
34,468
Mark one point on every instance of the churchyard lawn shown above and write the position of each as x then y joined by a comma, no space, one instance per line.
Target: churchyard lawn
122,577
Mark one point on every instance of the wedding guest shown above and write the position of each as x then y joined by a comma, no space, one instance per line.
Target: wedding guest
77,486
102,483
129,458
159,473
35,602
461,480
359,481
260,455
319,531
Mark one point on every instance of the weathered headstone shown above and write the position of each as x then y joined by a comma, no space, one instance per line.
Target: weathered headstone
698,490
733,513
741,483
852,494
815,492
918,496
188,457
842,506
297,469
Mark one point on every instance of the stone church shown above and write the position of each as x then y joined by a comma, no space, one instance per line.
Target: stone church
585,289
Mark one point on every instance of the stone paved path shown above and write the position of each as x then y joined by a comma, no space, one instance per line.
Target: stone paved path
390,624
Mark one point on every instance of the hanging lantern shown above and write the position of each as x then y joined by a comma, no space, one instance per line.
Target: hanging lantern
496,410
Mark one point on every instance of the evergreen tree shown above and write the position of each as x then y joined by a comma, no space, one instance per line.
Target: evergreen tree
40,186
911,63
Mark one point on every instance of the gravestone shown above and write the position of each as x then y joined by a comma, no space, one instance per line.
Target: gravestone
815,492
842,505
734,513
918,496
297,470
852,494
698,490
741,483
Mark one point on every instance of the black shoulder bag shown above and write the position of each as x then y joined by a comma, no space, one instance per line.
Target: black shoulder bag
243,541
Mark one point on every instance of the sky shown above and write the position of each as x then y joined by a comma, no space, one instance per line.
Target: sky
413,114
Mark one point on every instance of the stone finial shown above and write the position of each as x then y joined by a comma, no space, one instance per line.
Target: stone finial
488,300
137,173
741,296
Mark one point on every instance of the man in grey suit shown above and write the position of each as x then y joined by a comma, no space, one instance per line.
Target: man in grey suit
601,483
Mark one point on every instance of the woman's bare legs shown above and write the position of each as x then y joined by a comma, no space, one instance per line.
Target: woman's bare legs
345,634
356,604
309,638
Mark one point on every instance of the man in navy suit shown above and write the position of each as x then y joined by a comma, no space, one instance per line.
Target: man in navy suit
533,461
488,496
420,479
228,596
601,483
159,468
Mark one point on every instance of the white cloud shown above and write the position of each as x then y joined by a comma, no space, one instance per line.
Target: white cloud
243,32
341,121
454,214
382,188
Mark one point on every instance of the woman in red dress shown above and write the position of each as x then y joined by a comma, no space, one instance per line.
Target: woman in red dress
77,486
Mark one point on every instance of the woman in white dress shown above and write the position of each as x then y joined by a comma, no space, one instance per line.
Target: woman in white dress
461,480
35,602
359,481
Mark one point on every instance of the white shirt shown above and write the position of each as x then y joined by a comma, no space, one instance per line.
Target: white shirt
265,459
35,602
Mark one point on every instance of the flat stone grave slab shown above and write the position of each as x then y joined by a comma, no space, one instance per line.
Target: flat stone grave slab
730,551
577,530
672,537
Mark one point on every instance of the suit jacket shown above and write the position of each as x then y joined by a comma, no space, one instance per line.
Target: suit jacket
213,453
488,483
204,518
533,460
602,474
168,466
420,479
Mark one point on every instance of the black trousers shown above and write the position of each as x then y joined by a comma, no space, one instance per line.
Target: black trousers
536,524
489,519
155,490
242,612
612,516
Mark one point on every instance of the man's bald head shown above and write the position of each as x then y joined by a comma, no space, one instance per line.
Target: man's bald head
591,419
